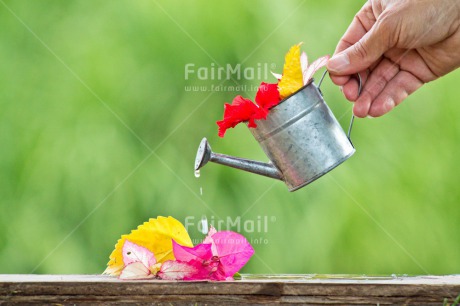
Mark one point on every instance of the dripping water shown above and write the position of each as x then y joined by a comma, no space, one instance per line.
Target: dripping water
204,225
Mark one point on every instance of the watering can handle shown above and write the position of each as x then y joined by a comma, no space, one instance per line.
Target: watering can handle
360,87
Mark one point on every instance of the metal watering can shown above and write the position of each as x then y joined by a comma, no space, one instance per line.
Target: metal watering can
300,136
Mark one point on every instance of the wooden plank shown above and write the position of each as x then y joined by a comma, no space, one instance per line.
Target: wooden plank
251,289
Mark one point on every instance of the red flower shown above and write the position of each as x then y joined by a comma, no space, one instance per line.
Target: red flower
243,109
240,110
268,95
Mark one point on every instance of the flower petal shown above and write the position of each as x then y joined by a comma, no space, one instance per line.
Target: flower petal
292,73
304,62
208,238
136,270
240,110
315,66
278,76
155,235
233,250
200,252
176,270
267,96
136,253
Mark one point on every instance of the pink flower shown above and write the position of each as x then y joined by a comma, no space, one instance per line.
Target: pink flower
138,262
309,71
218,257
233,251
175,270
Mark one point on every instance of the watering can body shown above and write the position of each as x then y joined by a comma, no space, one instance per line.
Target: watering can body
300,136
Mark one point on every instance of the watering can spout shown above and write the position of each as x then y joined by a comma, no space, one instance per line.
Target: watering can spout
205,155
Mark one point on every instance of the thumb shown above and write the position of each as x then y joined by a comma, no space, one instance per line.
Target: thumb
362,54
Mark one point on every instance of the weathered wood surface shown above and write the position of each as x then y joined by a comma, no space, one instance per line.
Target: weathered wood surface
251,289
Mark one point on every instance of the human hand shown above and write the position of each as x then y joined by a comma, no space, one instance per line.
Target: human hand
396,46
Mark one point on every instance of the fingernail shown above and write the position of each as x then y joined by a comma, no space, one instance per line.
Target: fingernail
341,88
338,62
389,104
369,116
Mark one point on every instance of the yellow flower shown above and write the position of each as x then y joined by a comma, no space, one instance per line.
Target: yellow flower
155,235
292,79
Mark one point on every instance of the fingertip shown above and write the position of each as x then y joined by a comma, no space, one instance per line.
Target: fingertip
350,90
338,63
358,112
340,80
361,107
389,104
380,109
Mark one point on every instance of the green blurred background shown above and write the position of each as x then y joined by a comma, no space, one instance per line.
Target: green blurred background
98,134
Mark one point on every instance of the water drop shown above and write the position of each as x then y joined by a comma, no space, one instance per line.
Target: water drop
201,190
204,225
197,173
